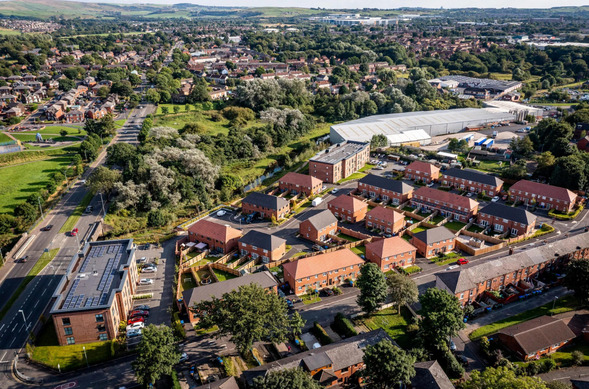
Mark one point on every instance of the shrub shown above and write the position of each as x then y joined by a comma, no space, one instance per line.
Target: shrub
577,358
337,291
569,216
179,331
343,326
547,365
320,334
409,270
452,367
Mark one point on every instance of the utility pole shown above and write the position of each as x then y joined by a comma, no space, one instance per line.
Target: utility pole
102,202
40,207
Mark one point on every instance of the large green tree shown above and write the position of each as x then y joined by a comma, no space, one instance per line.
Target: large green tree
577,274
295,378
501,378
373,288
157,354
103,180
387,365
402,290
570,172
442,316
248,315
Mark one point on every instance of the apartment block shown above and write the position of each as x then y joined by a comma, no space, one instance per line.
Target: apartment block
339,161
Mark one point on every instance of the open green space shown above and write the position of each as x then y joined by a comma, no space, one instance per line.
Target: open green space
56,137
223,275
75,131
310,298
71,357
491,166
7,31
353,176
454,225
564,304
563,356
26,179
5,138
446,259
75,216
394,324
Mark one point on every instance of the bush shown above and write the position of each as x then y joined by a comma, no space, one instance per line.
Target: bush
320,334
175,382
337,291
547,365
562,216
451,365
343,326
156,218
577,358
409,270
179,331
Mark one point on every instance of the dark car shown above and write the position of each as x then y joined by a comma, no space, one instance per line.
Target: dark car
48,227
328,291
142,308
23,259
139,313
462,359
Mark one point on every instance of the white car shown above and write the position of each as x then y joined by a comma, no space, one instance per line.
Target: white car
495,199
183,358
134,333
430,184
221,213
149,270
469,194
146,281
452,267
135,326
334,190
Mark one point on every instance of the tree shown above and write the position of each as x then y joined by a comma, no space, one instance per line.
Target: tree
442,316
248,314
66,84
577,274
156,218
387,365
296,323
176,109
63,132
26,212
501,378
165,110
459,145
199,93
373,288
295,378
378,140
402,290
153,96
570,172
103,179
157,353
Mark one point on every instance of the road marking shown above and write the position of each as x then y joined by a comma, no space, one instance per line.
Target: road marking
2,327
34,306
2,360
10,345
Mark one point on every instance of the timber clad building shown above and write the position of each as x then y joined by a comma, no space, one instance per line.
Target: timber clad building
339,161
96,293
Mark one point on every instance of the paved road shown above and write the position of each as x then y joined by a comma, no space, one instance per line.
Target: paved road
33,301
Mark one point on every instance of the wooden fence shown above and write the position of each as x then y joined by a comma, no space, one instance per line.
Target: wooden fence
194,260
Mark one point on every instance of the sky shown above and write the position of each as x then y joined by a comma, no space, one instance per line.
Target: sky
354,4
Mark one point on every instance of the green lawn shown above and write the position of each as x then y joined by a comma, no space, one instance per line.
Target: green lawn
7,31
446,259
187,281
418,229
359,250
491,166
32,137
347,237
223,275
454,225
563,357
4,138
501,76
209,126
56,130
354,176
395,325
366,168
565,304
436,219
71,221
27,179
310,298
71,357
475,228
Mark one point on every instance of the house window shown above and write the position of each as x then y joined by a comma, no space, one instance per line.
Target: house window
103,337
66,321
101,328
68,331
99,318
70,340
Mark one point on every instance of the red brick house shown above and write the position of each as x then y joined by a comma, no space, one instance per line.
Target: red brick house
385,189
318,227
472,181
258,244
385,219
339,161
348,208
502,219
583,144
433,241
535,338
323,270
300,183
422,171
543,195
267,205
74,116
448,204
390,253
217,236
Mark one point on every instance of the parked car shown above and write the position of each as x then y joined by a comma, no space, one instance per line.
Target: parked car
430,185
142,260
183,358
495,199
146,281
328,291
462,359
221,213
334,190
142,308
74,232
139,313
452,345
469,194
135,326
379,167
134,333
135,320
48,227
149,269
462,261
89,209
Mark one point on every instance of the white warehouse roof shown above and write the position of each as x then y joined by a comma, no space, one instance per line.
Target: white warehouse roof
432,122
409,137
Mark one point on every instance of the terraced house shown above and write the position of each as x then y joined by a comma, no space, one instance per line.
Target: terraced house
348,208
503,219
300,183
385,219
422,171
459,207
266,205
319,226
434,241
262,245
390,253
543,195
385,189
472,181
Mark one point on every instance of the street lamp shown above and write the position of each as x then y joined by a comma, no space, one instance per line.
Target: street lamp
102,202
24,318
553,304
85,355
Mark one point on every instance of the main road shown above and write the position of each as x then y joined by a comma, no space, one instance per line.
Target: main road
27,309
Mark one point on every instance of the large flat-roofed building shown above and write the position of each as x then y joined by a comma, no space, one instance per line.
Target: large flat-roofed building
472,86
339,161
398,127
96,293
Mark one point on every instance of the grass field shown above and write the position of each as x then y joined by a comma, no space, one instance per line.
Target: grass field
395,325
26,179
56,137
75,216
76,131
353,176
565,304
310,299
7,31
71,357
223,275
4,138
359,250
454,225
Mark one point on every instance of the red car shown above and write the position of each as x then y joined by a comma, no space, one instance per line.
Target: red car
74,231
462,261
134,320
139,313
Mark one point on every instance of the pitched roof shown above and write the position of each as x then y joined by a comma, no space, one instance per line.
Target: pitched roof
322,263
434,235
262,240
224,383
301,180
474,175
537,334
345,353
445,197
206,292
322,219
216,231
348,203
422,167
390,246
556,192
465,279
580,383
384,213
515,214
265,200
429,375
397,186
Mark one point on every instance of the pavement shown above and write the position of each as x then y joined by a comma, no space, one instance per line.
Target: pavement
566,375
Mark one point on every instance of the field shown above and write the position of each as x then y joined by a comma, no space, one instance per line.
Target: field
53,130
28,137
7,31
395,325
26,179
4,138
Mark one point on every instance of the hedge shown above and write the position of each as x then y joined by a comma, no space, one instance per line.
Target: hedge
570,216
343,326
320,334
409,270
177,326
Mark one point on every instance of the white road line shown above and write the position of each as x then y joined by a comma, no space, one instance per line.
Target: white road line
10,345
2,327
2,360
14,328
34,306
